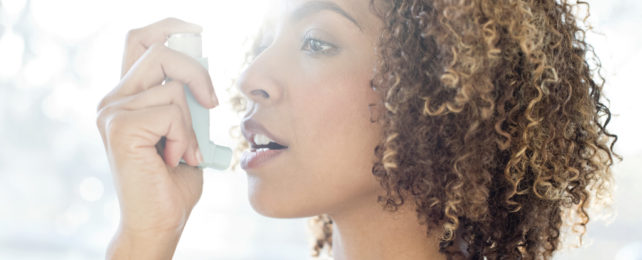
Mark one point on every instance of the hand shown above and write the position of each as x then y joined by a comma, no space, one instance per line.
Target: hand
156,194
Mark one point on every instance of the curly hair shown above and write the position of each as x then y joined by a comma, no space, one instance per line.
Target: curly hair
494,124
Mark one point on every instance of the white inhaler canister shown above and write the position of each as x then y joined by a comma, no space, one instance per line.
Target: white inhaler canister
214,156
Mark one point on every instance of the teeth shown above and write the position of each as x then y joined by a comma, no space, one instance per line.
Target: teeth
260,139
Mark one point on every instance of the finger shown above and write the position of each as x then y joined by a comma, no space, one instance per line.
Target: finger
171,92
139,40
143,128
160,63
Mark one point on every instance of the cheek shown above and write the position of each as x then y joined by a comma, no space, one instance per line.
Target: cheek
331,144
334,133
331,157
333,112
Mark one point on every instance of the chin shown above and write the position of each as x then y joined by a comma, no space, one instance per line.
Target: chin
274,209
275,205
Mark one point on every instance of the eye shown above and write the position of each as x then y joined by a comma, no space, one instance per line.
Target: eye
315,46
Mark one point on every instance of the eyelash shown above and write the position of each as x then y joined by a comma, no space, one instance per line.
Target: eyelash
327,48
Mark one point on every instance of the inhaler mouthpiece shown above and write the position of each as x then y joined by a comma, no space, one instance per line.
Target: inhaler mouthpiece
214,156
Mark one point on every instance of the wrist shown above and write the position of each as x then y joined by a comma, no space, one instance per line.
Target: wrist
130,244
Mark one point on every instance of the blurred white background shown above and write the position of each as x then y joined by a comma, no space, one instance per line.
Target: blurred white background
58,58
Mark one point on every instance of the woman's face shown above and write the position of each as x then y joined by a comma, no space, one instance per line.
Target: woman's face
310,89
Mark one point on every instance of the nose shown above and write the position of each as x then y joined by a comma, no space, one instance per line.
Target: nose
260,81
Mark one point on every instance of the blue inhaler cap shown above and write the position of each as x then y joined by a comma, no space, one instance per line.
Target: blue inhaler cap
214,156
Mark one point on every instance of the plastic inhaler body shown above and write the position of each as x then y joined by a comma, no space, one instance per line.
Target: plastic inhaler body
214,156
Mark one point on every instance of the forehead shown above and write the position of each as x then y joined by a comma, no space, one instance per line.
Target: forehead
352,6
359,10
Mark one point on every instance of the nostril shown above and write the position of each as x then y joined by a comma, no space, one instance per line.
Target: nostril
260,92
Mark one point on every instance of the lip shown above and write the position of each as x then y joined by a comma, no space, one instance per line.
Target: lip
250,127
255,158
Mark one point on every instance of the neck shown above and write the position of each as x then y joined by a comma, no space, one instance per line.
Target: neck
369,232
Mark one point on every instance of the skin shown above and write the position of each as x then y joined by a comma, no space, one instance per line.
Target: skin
313,96
318,105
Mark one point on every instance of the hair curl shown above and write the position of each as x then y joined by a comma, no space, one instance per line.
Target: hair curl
494,124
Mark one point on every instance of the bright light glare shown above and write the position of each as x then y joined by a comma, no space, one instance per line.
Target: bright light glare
91,189
73,217
11,50
48,62
59,104
70,20
631,251
13,8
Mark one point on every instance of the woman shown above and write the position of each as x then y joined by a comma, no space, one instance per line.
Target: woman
412,129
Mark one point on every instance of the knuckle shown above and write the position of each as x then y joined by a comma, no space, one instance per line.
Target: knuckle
175,111
157,48
171,20
132,35
100,119
115,124
102,116
102,104
100,122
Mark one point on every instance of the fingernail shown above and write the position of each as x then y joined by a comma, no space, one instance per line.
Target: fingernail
215,100
199,156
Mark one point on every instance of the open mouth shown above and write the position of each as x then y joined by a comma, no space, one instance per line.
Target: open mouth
261,142
270,146
263,147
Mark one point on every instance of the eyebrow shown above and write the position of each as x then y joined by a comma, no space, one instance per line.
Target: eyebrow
312,7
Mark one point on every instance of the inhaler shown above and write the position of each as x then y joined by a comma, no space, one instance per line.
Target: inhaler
214,156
